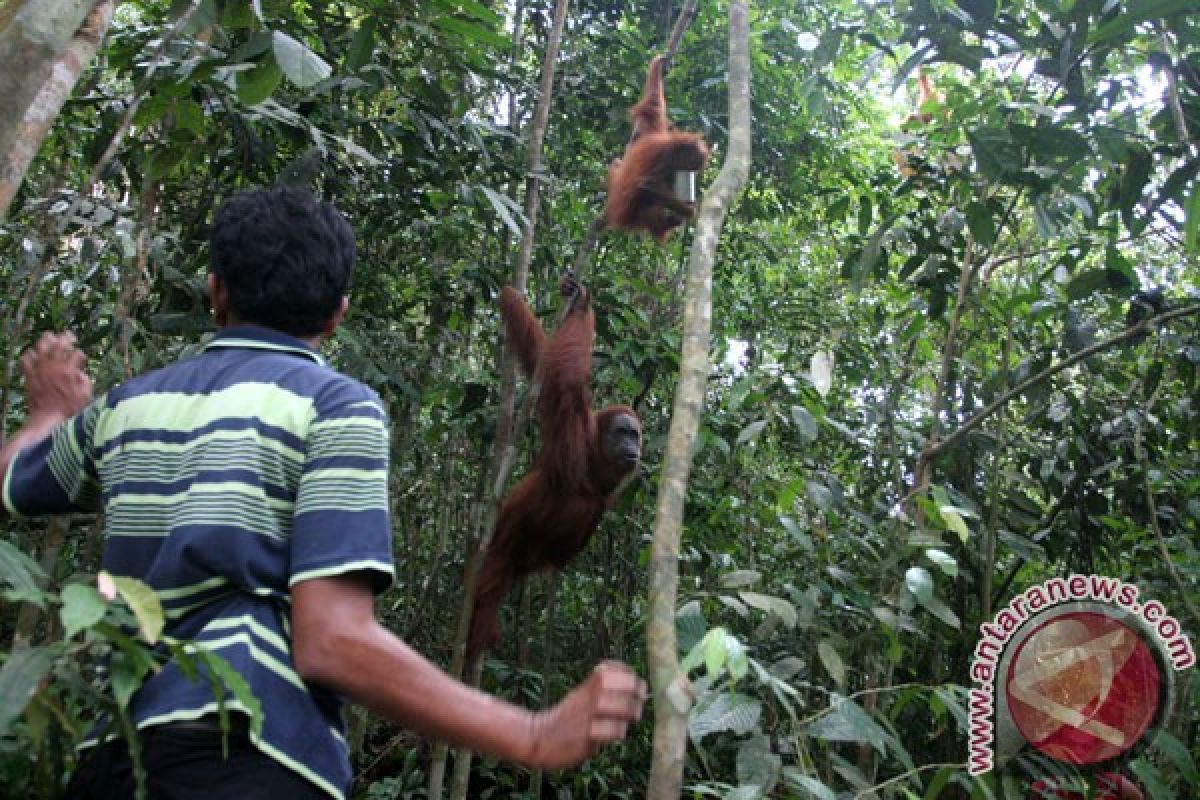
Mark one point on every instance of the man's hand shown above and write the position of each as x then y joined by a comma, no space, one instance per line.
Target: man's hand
56,385
597,712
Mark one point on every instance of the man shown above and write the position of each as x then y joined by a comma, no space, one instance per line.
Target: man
248,485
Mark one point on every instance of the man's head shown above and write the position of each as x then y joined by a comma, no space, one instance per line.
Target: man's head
282,259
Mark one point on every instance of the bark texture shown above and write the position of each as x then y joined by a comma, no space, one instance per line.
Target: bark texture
44,46
672,694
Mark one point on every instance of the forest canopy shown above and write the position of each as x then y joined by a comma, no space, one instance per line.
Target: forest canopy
953,333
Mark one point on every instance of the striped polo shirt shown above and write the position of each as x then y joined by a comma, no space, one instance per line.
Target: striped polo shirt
225,479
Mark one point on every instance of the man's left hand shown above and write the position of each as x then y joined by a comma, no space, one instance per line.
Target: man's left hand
55,382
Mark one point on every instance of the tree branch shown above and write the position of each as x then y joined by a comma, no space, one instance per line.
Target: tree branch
935,449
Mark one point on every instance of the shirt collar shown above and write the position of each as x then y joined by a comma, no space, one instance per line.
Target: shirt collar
254,337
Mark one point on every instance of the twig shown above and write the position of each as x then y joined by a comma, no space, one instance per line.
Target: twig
905,775
935,449
1139,450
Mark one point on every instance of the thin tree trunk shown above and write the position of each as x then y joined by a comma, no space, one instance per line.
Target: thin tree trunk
670,686
33,37
20,144
52,542
503,453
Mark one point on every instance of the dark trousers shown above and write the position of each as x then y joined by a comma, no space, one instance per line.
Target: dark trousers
187,763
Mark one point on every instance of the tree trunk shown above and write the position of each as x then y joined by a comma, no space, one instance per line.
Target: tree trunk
671,691
43,50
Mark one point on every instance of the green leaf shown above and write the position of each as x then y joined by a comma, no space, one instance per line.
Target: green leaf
832,661
819,494
806,424
723,711
1091,281
19,679
981,224
1178,754
750,432
232,680
771,605
145,606
944,561
1139,11
940,610
189,116
302,66
128,672
82,607
469,32
955,524
500,203
847,722
19,570
997,155
715,651
257,84
806,783
739,578
690,625
918,581
362,46
205,16
237,15
1191,229
1150,778
757,767
870,255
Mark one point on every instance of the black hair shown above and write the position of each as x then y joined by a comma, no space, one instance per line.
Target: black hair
284,256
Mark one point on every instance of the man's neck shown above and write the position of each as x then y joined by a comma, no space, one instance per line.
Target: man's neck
315,341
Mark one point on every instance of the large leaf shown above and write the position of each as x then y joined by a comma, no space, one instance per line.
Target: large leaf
145,606
260,82
757,766
82,607
771,605
812,787
918,581
19,570
740,578
302,66
832,661
806,424
846,722
19,679
997,155
362,45
719,711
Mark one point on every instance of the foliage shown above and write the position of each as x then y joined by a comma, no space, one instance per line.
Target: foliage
867,487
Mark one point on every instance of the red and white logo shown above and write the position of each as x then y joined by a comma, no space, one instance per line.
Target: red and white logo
1083,687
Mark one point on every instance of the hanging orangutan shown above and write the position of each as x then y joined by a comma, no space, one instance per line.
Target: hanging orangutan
584,460
641,184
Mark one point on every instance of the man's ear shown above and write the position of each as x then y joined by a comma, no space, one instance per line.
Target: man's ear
218,298
337,317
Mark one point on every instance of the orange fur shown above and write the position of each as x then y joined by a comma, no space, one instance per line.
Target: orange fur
550,515
641,191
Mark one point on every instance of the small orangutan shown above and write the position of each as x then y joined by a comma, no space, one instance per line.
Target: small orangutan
641,184
911,161
584,461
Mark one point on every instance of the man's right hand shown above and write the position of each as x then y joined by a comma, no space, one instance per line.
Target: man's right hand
595,713
56,385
